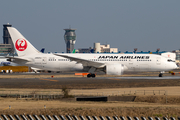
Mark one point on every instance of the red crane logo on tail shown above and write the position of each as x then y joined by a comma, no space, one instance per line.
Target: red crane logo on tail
21,44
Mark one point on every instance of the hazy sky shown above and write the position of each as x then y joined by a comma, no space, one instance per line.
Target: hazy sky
125,24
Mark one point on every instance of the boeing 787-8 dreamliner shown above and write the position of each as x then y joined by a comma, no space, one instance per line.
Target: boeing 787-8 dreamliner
111,64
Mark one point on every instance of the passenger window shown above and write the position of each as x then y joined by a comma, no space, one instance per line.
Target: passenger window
169,60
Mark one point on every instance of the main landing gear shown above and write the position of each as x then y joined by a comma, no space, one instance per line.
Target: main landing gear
91,75
161,73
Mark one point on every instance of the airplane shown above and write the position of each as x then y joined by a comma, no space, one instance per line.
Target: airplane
4,62
111,64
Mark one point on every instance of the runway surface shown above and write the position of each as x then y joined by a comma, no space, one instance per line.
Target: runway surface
88,83
150,77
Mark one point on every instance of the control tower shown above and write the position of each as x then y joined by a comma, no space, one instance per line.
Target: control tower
6,36
70,39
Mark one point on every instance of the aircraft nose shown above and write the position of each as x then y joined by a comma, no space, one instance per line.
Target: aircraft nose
176,67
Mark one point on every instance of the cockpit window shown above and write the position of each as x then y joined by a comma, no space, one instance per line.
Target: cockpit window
169,60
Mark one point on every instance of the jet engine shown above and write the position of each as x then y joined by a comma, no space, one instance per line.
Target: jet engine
114,69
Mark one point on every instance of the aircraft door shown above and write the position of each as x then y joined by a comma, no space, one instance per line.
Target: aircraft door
130,62
44,60
158,61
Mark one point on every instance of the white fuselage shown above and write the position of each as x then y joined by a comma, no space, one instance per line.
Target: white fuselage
132,62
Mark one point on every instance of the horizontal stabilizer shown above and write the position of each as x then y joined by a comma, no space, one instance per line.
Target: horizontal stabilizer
19,58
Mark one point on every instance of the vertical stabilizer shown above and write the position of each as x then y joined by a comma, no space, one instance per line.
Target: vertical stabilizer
22,46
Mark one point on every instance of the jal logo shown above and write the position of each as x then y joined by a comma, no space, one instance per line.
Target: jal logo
21,44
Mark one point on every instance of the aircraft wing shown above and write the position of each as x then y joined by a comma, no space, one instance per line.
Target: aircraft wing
19,58
83,61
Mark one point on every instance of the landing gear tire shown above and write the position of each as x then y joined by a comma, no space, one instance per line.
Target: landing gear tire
91,75
160,75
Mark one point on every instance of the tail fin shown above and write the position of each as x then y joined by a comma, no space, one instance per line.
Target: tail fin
74,51
42,50
22,46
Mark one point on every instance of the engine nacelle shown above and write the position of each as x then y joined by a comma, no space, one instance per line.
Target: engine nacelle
114,69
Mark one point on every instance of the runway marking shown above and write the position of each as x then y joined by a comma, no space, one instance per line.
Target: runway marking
50,80
114,79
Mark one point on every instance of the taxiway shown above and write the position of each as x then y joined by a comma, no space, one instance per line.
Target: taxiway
56,82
